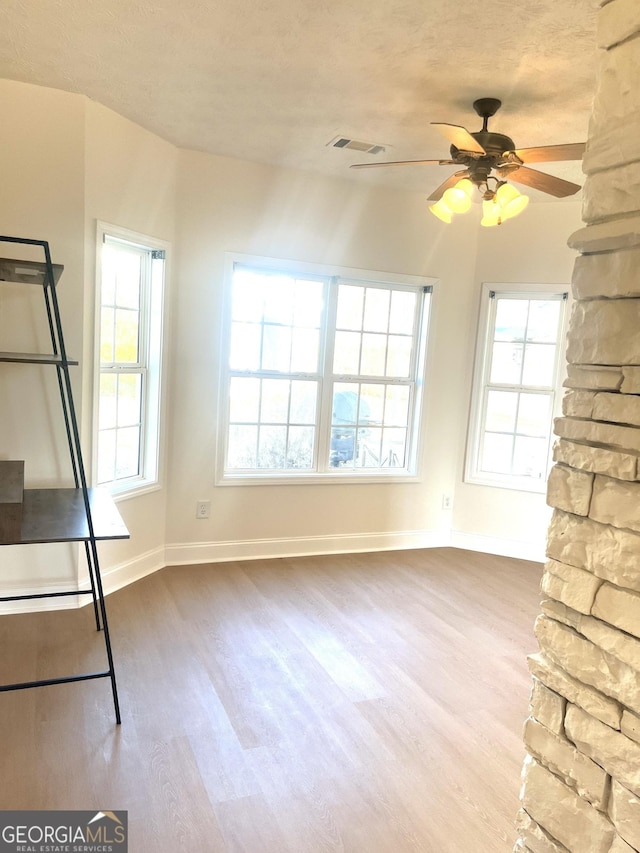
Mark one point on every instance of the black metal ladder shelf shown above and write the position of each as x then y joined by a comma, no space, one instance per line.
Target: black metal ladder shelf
79,514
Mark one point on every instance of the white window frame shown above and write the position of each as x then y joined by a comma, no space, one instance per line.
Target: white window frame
150,366
472,474
410,473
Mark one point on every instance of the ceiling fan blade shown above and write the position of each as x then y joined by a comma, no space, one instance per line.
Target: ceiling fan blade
552,153
404,163
451,181
460,137
557,187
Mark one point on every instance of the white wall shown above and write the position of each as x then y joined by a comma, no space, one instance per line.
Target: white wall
130,181
530,249
68,162
226,205
41,176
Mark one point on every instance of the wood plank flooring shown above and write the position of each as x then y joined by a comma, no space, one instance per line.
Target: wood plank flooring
367,703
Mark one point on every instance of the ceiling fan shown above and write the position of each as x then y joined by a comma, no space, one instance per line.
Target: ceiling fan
484,152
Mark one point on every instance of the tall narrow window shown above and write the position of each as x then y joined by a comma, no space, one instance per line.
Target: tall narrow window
322,374
518,369
131,283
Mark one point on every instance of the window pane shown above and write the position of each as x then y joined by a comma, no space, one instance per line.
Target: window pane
107,327
496,453
511,319
243,443
401,316
534,415
393,448
374,350
376,310
345,403
346,355
539,361
106,455
132,283
126,336
543,320
343,442
506,364
107,402
371,409
350,306
272,444
530,457
276,352
274,408
127,452
369,424
128,280
501,411
108,277
278,300
129,399
248,292
300,447
304,396
308,303
396,411
245,346
244,400
369,447
305,351
399,356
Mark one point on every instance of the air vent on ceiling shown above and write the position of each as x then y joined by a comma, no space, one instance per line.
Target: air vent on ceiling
356,145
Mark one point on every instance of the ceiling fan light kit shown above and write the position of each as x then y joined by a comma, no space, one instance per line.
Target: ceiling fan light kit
482,153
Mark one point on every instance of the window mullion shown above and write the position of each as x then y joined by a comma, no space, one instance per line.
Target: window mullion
325,390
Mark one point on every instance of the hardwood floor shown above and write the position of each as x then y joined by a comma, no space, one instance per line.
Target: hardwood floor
367,703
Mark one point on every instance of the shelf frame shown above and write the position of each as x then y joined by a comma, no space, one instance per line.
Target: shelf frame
84,501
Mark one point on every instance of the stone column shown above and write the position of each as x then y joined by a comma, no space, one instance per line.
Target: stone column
581,790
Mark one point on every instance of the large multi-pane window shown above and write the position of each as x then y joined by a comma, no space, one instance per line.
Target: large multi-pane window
131,280
322,373
520,354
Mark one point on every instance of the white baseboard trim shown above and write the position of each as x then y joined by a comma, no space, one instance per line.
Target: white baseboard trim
188,553
184,554
534,551
32,605
123,574
112,579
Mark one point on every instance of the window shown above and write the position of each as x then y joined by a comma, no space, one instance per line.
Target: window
129,323
322,373
516,387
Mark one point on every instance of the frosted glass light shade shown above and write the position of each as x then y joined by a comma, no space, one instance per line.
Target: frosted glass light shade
441,210
511,201
458,197
490,214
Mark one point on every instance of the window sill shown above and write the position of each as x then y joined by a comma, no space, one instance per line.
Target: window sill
516,484
133,490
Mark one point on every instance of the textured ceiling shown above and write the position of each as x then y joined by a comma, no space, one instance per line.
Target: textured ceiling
276,80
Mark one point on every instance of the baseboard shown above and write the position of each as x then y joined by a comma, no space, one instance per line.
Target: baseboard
189,553
32,605
113,578
123,574
534,551
180,554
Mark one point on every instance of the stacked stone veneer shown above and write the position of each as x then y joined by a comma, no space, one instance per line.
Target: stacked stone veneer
581,788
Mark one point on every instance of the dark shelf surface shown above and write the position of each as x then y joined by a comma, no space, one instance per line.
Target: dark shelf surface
58,515
34,358
27,272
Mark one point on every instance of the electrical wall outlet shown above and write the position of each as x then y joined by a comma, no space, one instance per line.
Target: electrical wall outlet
203,508
447,501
